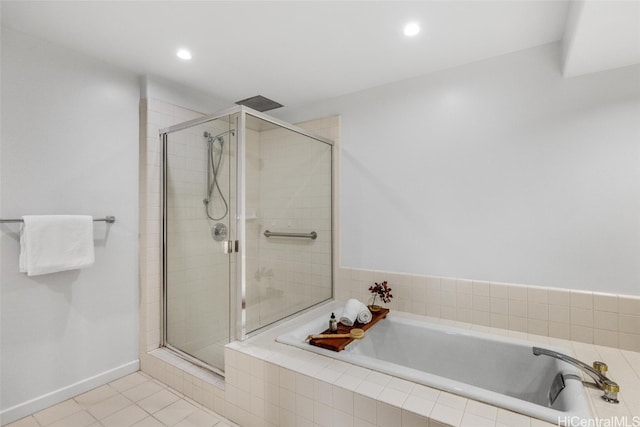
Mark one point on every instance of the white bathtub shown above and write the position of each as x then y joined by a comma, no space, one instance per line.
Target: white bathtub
490,368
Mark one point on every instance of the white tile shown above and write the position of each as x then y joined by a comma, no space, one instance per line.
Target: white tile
364,408
149,422
392,397
559,330
426,393
446,415
323,392
582,299
125,417
418,405
200,418
157,401
401,385
341,419
25,422
128,381
304,407
79,419
57,412
628,323
348,381
343,400
304,385
605,320
175,412
410,419
629,341
540,295
512,419
581,334
369,389
94,396
481,303
388,415
629,304
582,316
322,414
518,324
141,391
287,379
537,310
517,308
109,406
559,297
481,409
481,288
452,401
471,420
499,291
516,292
538,327
605,337
559,314
499,321
605,302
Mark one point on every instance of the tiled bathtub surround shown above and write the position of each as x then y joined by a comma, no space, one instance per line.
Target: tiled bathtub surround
597,318
272,384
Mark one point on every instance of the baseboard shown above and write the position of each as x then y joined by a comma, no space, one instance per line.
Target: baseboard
34,405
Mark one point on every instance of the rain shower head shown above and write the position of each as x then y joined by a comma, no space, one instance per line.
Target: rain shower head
259,103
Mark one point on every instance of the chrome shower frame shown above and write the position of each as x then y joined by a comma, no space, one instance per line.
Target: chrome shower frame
238,313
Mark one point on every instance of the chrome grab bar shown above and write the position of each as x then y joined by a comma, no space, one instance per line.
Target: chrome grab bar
313,235
109,219
609,387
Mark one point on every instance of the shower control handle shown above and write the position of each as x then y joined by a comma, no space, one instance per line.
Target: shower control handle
219,232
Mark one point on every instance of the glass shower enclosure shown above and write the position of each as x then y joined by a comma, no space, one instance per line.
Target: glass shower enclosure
247,229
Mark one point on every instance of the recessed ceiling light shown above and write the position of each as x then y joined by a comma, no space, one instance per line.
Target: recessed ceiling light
411,29
183,54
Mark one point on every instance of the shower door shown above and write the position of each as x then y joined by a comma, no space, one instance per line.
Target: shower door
199,213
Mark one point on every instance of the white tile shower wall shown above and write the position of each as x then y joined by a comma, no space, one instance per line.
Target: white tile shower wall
591,317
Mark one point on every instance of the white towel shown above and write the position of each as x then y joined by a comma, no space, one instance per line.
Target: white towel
52,243
355,310
364,316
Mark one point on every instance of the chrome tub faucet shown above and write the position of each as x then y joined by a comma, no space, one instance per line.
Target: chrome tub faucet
597,373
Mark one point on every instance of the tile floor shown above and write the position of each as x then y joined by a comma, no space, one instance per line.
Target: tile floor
135,400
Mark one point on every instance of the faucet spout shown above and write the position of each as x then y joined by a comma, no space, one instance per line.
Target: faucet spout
609,387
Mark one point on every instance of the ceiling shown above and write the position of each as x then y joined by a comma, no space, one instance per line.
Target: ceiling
299,52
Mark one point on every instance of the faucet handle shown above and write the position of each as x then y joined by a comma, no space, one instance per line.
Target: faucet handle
611,391
600,367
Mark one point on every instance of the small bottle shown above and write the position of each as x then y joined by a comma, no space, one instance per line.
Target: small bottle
333,323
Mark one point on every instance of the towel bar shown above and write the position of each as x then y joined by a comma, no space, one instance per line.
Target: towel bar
109,219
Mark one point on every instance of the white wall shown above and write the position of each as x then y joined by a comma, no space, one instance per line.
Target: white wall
69,145
500,170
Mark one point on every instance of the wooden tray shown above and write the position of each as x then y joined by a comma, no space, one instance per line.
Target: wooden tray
338,344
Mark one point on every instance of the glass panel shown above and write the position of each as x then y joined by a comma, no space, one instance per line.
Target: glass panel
288,190
199,206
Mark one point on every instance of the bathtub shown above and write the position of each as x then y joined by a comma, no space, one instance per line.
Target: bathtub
497,370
